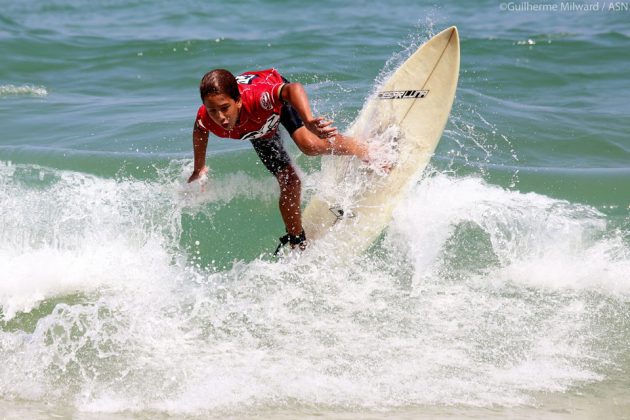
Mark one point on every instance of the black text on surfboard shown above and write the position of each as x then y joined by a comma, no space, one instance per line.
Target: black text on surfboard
402,94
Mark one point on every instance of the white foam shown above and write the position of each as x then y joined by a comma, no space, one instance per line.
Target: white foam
77,232
26,90
538,241
33,276
407,325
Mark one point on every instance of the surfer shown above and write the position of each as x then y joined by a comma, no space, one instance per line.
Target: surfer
250,107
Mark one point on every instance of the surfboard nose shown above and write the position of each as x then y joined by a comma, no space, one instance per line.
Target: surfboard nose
454,33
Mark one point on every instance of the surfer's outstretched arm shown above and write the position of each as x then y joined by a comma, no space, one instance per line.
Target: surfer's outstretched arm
318,136
200,144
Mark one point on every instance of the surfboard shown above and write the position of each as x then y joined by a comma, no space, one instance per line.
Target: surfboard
404,117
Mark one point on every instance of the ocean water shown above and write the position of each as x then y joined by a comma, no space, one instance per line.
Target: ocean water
501,288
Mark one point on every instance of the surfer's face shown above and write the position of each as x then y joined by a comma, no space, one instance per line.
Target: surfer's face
223,110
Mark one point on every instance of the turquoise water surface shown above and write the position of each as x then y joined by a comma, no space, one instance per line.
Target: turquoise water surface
501,288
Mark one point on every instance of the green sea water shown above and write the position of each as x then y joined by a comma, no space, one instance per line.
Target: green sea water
501,288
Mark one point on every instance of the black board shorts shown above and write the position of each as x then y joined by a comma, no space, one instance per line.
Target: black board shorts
271,151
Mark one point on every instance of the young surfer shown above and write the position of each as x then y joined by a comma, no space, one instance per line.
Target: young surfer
250,107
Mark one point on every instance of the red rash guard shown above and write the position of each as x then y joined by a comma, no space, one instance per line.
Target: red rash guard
260,112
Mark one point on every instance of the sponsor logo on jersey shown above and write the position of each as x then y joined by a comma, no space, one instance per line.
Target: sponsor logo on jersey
265,101
270,125
245,79
402,94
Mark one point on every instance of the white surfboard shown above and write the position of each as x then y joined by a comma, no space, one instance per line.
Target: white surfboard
407,114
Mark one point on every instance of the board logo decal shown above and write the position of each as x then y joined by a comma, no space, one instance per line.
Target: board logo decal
402,94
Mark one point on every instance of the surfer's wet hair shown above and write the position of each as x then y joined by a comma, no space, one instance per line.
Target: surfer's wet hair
219,82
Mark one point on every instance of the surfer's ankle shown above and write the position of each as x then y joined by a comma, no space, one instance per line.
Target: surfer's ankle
298,241
295,241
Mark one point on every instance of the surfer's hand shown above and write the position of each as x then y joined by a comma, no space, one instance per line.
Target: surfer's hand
198,174
378,164
321,128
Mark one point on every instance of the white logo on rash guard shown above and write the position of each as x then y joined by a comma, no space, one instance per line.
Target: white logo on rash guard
265,101
270,125
245,79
